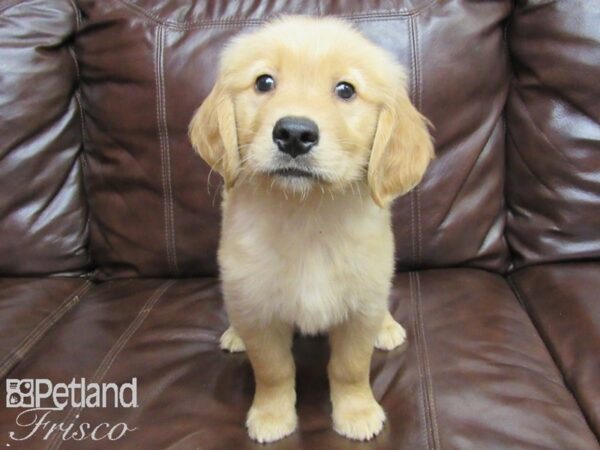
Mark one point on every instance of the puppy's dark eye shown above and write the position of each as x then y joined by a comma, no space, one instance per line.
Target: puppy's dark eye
344,90
265,83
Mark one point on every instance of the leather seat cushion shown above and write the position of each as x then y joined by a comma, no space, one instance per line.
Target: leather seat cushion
562,300
474,373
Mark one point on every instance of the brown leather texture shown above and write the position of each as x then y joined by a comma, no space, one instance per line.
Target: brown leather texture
483,379
29,308
553,139
146,66
43,211
562,300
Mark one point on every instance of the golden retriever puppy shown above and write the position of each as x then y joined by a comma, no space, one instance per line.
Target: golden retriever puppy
311,127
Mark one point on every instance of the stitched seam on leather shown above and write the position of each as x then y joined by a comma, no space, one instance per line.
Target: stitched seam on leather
77,14
237,22
432,410
83,126
424,416
553,355
80,108
77,72
112,354
168,169
419,227
83,162
509,258
419,87
157,53
29,341
412,228
413,95
161,117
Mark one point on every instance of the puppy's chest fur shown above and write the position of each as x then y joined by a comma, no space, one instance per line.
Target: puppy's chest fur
309,262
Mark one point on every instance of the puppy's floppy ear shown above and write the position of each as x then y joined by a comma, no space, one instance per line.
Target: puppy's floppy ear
402,149
213,133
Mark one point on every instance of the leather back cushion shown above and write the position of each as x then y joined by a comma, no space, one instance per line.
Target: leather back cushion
43,214
553,114
146,66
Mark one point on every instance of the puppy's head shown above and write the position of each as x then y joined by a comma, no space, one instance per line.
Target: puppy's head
303,102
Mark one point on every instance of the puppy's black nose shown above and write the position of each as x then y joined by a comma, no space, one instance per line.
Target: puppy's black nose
295,135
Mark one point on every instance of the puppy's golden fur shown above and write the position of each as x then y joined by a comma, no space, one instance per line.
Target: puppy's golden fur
315,252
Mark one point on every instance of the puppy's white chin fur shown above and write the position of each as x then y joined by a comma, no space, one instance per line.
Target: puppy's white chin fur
295,185
300,188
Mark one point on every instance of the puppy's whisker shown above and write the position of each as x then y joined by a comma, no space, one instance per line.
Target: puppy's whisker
331,194
359,190
305,191
352,188
214,197
321,199
210,172
245,159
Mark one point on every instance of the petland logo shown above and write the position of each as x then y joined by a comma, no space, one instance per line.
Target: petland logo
42,397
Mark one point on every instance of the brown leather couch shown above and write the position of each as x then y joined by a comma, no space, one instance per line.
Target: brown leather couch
108,230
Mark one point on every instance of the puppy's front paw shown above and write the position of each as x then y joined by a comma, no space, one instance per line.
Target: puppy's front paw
231,342
391,335
271,424
360,420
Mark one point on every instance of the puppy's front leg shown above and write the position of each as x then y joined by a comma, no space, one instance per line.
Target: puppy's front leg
273,412
356,413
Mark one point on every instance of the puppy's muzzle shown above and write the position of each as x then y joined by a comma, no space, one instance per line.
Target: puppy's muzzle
295,135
